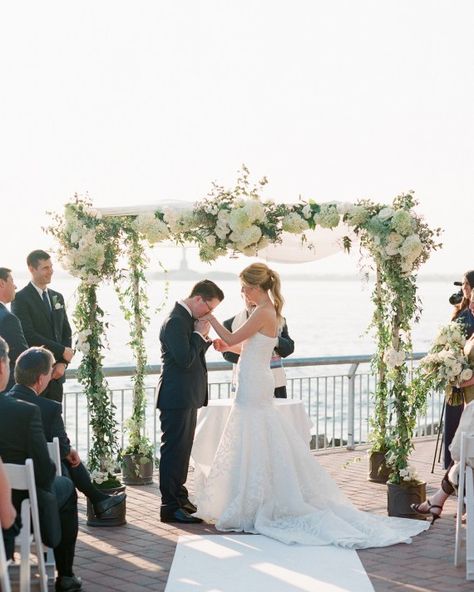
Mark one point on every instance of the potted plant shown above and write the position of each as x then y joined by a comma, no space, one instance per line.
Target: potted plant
137,459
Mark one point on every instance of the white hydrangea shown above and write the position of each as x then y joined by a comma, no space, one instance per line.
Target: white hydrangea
152,228
393,358
239,220
294,223
327,217
306,211
357,215
411,248
255,210
245,238
402,222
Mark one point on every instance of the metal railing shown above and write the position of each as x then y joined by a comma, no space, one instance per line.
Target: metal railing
339,404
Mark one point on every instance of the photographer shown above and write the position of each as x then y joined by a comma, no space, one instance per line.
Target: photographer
463,314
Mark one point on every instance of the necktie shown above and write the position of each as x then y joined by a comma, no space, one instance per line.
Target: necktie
46,301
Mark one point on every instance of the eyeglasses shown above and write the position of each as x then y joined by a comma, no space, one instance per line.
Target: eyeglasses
209,308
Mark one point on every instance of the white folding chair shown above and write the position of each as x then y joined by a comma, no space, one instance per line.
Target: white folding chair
55,455
22,478
465,498
4,577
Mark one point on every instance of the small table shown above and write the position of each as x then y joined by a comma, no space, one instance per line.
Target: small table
211,421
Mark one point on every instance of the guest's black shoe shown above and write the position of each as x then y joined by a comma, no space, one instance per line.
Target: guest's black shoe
180,515
68,584
189,507
111,501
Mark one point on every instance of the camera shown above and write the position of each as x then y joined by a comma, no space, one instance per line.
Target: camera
457,297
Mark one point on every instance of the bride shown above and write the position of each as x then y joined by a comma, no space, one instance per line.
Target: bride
263,478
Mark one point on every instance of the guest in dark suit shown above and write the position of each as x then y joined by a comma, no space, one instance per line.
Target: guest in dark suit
10,326
182,389
7,513
43,317
53,426
22,437
285,347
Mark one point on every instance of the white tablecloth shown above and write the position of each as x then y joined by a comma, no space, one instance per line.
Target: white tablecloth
212,419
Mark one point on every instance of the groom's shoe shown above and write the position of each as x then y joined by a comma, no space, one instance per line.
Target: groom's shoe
189,507
180,515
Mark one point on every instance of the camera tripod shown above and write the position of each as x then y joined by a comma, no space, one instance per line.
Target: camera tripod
440,433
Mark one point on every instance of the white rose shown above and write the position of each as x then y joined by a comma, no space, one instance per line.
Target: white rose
466,374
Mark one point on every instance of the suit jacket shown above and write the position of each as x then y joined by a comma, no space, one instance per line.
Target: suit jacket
53,424
285,347
12,332
22,437
183,379
40,325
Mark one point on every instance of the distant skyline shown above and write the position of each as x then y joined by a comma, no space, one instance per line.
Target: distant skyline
136,103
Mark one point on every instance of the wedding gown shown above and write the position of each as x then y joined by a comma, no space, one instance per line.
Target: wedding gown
265,480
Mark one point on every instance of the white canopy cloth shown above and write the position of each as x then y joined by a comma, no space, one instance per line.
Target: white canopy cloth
320,243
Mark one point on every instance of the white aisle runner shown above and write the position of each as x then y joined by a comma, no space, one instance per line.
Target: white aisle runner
254,563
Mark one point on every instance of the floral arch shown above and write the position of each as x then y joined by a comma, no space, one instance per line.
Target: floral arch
91,241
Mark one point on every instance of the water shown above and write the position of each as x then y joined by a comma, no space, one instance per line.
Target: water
325,318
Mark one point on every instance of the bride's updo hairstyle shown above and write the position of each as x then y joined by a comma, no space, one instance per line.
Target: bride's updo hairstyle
259,274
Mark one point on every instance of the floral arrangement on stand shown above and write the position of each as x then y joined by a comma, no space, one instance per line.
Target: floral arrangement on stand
446,364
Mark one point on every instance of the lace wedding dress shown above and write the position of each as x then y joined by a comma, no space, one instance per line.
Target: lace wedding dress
265,480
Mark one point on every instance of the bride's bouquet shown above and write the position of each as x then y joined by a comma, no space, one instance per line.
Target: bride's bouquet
446,364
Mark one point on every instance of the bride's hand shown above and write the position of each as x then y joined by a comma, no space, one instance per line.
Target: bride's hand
220,345
207,317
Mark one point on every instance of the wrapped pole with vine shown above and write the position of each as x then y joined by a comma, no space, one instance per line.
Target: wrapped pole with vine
134,304
379,436
89,320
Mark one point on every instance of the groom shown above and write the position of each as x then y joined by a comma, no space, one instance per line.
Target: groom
182,389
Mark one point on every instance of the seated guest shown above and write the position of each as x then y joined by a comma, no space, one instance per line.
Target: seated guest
22,437
10,326
26,389
7,512
285,347
434,505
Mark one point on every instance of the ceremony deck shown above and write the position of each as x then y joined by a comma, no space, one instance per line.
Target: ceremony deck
137,557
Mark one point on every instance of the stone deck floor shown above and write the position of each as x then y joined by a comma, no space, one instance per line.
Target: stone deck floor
137,557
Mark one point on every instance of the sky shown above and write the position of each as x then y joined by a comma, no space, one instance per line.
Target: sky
137,102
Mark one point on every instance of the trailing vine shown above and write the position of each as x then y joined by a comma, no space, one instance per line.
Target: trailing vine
134,304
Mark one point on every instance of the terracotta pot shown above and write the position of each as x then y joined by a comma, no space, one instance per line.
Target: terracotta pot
113,517
379,472
400,497
136,473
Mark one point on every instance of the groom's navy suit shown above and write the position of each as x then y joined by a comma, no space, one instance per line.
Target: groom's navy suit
11,331
46,327
182,389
